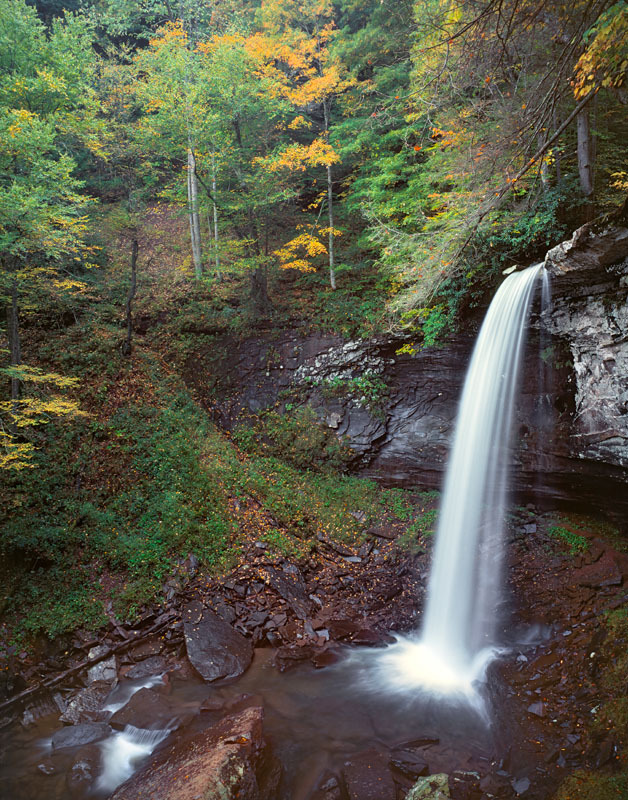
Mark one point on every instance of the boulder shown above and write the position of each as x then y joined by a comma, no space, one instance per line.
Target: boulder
87,705
214,648
367,777
226,761
78,735
433,787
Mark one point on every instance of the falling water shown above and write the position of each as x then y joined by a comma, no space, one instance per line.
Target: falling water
458,636
122,752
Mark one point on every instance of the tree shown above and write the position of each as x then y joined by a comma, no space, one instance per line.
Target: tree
300,35
45,103
170,90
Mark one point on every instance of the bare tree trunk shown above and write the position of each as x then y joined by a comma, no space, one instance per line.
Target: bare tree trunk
15,350
216,250
545,179
330,205
585,153
195,222
559,172
126,345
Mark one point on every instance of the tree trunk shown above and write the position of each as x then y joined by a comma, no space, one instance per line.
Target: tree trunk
195,222
259,292
330,205
544,171
585,153
126,345
15,350
216,251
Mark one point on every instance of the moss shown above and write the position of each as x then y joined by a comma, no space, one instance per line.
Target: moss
585,785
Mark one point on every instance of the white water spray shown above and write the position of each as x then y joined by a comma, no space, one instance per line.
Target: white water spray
458,637
122,752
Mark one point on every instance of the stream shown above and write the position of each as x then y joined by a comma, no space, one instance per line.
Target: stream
315,720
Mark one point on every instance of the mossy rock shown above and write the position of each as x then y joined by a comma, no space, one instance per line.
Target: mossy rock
433,787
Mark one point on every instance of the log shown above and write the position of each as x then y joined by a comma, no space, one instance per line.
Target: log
88,662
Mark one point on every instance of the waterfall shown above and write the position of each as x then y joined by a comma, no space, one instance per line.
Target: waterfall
122,752
459,630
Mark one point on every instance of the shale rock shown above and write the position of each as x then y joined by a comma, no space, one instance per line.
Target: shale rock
214,648
227,761
106,670
571,428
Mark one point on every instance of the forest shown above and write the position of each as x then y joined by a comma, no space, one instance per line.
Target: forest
195,192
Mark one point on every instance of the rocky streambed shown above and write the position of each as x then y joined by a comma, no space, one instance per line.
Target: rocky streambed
261,685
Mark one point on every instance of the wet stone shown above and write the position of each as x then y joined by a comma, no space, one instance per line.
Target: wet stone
229,760
149,710
521,785
87,705
78,735
409,764
291,655
153,665
84,770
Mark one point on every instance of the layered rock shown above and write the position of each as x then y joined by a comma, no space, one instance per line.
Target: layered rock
571,429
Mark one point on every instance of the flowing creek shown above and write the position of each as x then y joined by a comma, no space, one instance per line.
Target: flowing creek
315,719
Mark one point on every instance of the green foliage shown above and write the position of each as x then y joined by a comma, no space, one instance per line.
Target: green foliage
296,436
398,503
576,542
281,542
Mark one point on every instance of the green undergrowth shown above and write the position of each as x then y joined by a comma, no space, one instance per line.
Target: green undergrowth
294,436
118,498
570,538
417,509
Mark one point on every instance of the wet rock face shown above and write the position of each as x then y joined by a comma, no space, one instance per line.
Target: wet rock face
231,759
590,273
571,429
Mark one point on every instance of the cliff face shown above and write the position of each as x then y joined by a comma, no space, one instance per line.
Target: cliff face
571,430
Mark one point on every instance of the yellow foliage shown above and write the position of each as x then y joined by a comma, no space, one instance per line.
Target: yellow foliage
13,454
297,157
306,245
605,61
